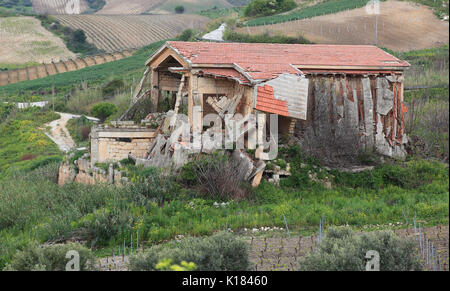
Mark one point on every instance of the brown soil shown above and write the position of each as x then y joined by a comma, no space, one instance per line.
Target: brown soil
282,253
402,26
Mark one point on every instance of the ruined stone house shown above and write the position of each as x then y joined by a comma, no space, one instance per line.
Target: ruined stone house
333,99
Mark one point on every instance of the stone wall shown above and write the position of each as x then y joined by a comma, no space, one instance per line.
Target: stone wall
115,144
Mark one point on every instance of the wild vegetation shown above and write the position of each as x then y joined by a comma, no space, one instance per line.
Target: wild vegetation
166,206
22,144
428,119
321,8
75,39
220,252
342,250
12,7
258,8
233,36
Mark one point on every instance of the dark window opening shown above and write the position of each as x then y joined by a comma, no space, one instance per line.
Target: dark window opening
124,139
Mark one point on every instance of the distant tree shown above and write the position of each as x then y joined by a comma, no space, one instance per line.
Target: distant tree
186,35
79,36
179,9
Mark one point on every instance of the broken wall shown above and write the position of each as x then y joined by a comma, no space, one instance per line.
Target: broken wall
115,144
348,114
206,87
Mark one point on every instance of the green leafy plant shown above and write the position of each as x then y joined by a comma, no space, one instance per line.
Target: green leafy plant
103,110
179,9
166,265
342,250
268,7
220,252
50,258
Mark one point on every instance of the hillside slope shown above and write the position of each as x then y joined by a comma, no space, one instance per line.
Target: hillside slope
190,6
128,7
58,6
117,32
402,26
24,40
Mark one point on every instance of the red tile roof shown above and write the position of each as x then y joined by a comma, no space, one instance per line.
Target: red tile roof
266,61
266,102
226,73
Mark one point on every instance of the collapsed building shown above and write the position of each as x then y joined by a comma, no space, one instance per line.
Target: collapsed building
334,100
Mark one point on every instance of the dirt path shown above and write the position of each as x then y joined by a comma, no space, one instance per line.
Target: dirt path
60,134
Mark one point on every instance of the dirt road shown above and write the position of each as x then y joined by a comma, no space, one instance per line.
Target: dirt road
60,134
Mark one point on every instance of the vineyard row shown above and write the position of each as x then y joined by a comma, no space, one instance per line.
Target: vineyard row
53,68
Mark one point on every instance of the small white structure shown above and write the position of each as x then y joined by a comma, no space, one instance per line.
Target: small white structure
216,35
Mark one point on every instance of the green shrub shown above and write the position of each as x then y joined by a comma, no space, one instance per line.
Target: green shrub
179,9
342,250
103,110
186,35
268,7
220,252
233,36
217,176
79,128
50,258
111,87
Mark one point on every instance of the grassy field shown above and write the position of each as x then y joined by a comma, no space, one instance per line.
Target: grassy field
24,40
23,145
106,216
126,68
19,6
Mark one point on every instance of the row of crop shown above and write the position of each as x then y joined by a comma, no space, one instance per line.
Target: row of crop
59,6
65,82
44,70
322,8
115,32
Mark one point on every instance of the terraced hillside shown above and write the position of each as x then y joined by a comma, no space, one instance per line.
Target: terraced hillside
190,6
59,6
63,66
129,6
24,40
402,26
117,32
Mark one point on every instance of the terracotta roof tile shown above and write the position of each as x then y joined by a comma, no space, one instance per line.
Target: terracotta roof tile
267,61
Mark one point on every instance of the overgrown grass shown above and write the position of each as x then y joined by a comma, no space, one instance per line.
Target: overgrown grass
22,143
427,121
233,36
79,129
35,209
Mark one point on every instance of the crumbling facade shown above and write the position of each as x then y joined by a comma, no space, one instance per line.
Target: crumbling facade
115,143
335,99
